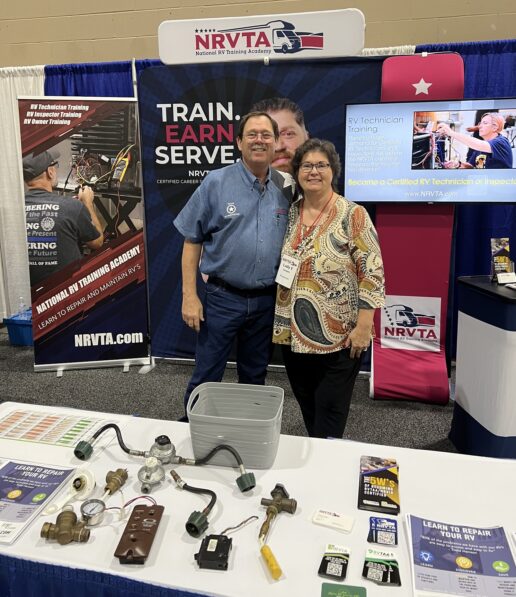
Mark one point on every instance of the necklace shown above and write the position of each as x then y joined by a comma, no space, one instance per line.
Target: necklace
303,230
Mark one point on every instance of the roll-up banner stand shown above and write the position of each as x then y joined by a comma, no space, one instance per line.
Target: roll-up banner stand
89,296
190,115
409,360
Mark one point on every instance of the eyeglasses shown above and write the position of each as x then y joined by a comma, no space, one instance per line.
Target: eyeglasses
55,164
253,135
319,166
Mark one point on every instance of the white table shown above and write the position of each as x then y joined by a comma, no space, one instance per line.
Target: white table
318,473
484,416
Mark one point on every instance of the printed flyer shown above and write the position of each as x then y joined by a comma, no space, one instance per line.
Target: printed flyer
455,559
24,489
500,256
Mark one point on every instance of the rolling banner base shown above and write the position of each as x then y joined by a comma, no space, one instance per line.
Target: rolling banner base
125,363
409,359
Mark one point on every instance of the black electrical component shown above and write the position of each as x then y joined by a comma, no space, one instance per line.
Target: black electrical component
214,552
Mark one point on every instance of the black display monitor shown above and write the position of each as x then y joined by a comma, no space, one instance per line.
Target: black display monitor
399,152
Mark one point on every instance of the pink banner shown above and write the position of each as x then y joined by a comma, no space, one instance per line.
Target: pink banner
409,351
409,360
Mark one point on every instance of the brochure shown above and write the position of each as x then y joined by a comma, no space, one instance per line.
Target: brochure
456,559
500,256
378,489
25,488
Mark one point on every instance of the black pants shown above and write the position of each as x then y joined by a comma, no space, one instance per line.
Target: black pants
323,385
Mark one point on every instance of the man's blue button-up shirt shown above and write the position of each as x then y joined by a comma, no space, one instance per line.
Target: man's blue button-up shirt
240,223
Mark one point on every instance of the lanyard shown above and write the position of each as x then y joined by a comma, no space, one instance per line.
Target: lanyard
300,237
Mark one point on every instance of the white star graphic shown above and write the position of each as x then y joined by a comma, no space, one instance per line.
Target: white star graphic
421,87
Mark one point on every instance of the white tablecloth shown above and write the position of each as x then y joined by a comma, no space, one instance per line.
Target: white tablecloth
317,473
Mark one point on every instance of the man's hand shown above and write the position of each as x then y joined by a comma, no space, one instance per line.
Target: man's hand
444,129
192,312
86,196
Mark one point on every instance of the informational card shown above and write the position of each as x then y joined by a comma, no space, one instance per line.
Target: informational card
332,590
46,428
25,488
456,559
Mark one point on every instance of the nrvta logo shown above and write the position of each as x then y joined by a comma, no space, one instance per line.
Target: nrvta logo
404,316
278,36
405,323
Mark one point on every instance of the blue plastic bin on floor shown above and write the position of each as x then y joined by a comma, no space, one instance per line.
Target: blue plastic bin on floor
19,328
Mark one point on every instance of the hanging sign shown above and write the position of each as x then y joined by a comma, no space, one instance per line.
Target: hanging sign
324,34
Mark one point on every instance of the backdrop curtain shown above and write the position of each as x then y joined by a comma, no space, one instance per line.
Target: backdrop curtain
14,263
490,69
100,79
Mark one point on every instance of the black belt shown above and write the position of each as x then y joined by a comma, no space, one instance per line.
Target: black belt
245,292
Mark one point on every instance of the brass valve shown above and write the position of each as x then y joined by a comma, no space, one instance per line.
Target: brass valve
115,480
66,528
280,503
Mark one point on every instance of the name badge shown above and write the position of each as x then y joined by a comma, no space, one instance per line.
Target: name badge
287,271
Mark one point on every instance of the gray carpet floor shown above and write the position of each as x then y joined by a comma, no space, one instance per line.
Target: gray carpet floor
159,394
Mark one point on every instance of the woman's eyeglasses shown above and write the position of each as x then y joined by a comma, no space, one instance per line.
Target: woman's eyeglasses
309,166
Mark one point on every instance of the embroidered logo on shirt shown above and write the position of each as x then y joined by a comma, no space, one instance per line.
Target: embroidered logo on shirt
231,210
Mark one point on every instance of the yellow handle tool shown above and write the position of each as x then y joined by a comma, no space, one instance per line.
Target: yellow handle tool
272,563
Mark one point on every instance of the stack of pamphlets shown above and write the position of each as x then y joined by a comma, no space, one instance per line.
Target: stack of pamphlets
25,488
456,559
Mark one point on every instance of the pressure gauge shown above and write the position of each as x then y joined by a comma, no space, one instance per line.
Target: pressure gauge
92,511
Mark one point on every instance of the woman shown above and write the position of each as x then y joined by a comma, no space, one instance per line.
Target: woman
330,282
492,150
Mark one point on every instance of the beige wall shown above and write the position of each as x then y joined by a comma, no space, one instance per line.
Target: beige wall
33,32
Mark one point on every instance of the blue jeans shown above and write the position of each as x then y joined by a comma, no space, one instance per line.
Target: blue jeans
229,316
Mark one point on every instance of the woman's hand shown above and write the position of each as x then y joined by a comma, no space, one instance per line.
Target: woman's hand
360,336
358,340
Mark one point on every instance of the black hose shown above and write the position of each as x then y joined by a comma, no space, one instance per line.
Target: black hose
118,436
213,495
216,449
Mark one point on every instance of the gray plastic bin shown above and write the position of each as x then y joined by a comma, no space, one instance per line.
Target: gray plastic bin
247,417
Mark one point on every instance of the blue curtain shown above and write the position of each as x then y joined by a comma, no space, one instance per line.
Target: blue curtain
104,79
96,79
489,72
490,69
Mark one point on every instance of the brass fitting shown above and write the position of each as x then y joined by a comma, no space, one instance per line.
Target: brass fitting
115,480
280,503
66,529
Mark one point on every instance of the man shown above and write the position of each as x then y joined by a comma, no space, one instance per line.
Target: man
237,220
492,150
57,226
292,131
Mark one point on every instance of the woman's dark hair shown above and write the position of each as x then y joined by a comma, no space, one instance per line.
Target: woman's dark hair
323,146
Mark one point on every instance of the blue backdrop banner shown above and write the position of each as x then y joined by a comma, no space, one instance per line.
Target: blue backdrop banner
189,119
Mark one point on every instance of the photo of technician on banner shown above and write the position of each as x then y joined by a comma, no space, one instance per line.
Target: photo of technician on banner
84,219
